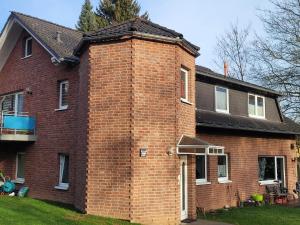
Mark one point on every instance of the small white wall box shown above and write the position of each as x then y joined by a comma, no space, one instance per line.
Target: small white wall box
143,152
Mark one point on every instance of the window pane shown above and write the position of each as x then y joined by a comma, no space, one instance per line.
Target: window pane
20,166
183,85
221,98
251,105
65,169
280,170
260,106
8,104
64,93
200,167
222,170
20,98
29,47
266,168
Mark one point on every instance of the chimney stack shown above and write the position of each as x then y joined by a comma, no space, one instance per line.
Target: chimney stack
58,36
225,69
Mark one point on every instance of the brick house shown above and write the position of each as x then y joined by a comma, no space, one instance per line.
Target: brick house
122,123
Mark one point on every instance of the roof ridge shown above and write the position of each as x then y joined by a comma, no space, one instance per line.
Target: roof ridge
149,22
33,17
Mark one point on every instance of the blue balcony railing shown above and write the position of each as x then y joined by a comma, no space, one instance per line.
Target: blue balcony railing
20,123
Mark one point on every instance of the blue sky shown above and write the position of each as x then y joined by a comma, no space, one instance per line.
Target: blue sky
200,21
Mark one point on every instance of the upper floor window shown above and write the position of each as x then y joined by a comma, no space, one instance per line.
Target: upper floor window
222,99
184,84
256,106
28,47
63,93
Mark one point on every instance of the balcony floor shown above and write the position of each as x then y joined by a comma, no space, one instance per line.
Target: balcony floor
18,137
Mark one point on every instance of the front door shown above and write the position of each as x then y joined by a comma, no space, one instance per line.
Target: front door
183,188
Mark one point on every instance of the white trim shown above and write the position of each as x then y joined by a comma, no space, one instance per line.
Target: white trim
227,100
19,179
199,183
26,55
186,85
60,187
202,180
185,101
62,107
184,214
224,179
255,106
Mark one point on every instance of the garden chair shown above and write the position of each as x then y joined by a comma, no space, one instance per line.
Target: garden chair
277,194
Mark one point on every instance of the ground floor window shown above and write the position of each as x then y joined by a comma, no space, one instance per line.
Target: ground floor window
20,162
63,171
223,168
201,169
271,169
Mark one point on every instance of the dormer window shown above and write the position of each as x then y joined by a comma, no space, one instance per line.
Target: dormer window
222,99
256,106
27,47
184,85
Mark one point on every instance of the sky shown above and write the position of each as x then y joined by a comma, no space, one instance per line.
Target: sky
200,21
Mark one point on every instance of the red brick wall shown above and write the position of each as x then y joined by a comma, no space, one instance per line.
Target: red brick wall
56,131
243,153
109,130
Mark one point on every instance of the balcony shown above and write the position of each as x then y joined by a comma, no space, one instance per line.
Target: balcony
17,127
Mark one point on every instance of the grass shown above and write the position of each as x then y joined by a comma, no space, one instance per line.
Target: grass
27,211
265,215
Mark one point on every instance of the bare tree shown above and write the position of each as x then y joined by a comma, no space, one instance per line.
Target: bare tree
233,47
278,53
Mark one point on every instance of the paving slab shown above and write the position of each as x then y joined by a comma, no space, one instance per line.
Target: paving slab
206,222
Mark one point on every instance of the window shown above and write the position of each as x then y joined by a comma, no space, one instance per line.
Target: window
13,103
256,106
184,84
63,172
201,169
223,168
222,99
271,169
28,47
63,93
20,167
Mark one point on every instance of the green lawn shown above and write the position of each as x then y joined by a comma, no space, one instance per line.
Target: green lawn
26,211
265,215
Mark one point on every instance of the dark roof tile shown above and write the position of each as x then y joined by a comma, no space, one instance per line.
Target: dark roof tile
218,120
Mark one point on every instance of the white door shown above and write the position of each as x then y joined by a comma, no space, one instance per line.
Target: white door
183,188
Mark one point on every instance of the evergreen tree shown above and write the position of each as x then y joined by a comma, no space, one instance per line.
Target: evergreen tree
87,19
116,11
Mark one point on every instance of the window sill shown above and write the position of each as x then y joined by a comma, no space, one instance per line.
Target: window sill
26,57
18,181
224,181
224,112
63,188
202,183
186,101
267,182
62,109
257,117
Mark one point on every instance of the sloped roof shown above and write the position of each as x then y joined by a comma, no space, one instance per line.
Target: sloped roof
210,74
46,32
218,120
138,27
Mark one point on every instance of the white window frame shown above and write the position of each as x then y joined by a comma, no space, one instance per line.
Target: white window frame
204,180
15,101
61,83
186,99
227,98
223,179
19,179
266,182
26,47
61,185
255,106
